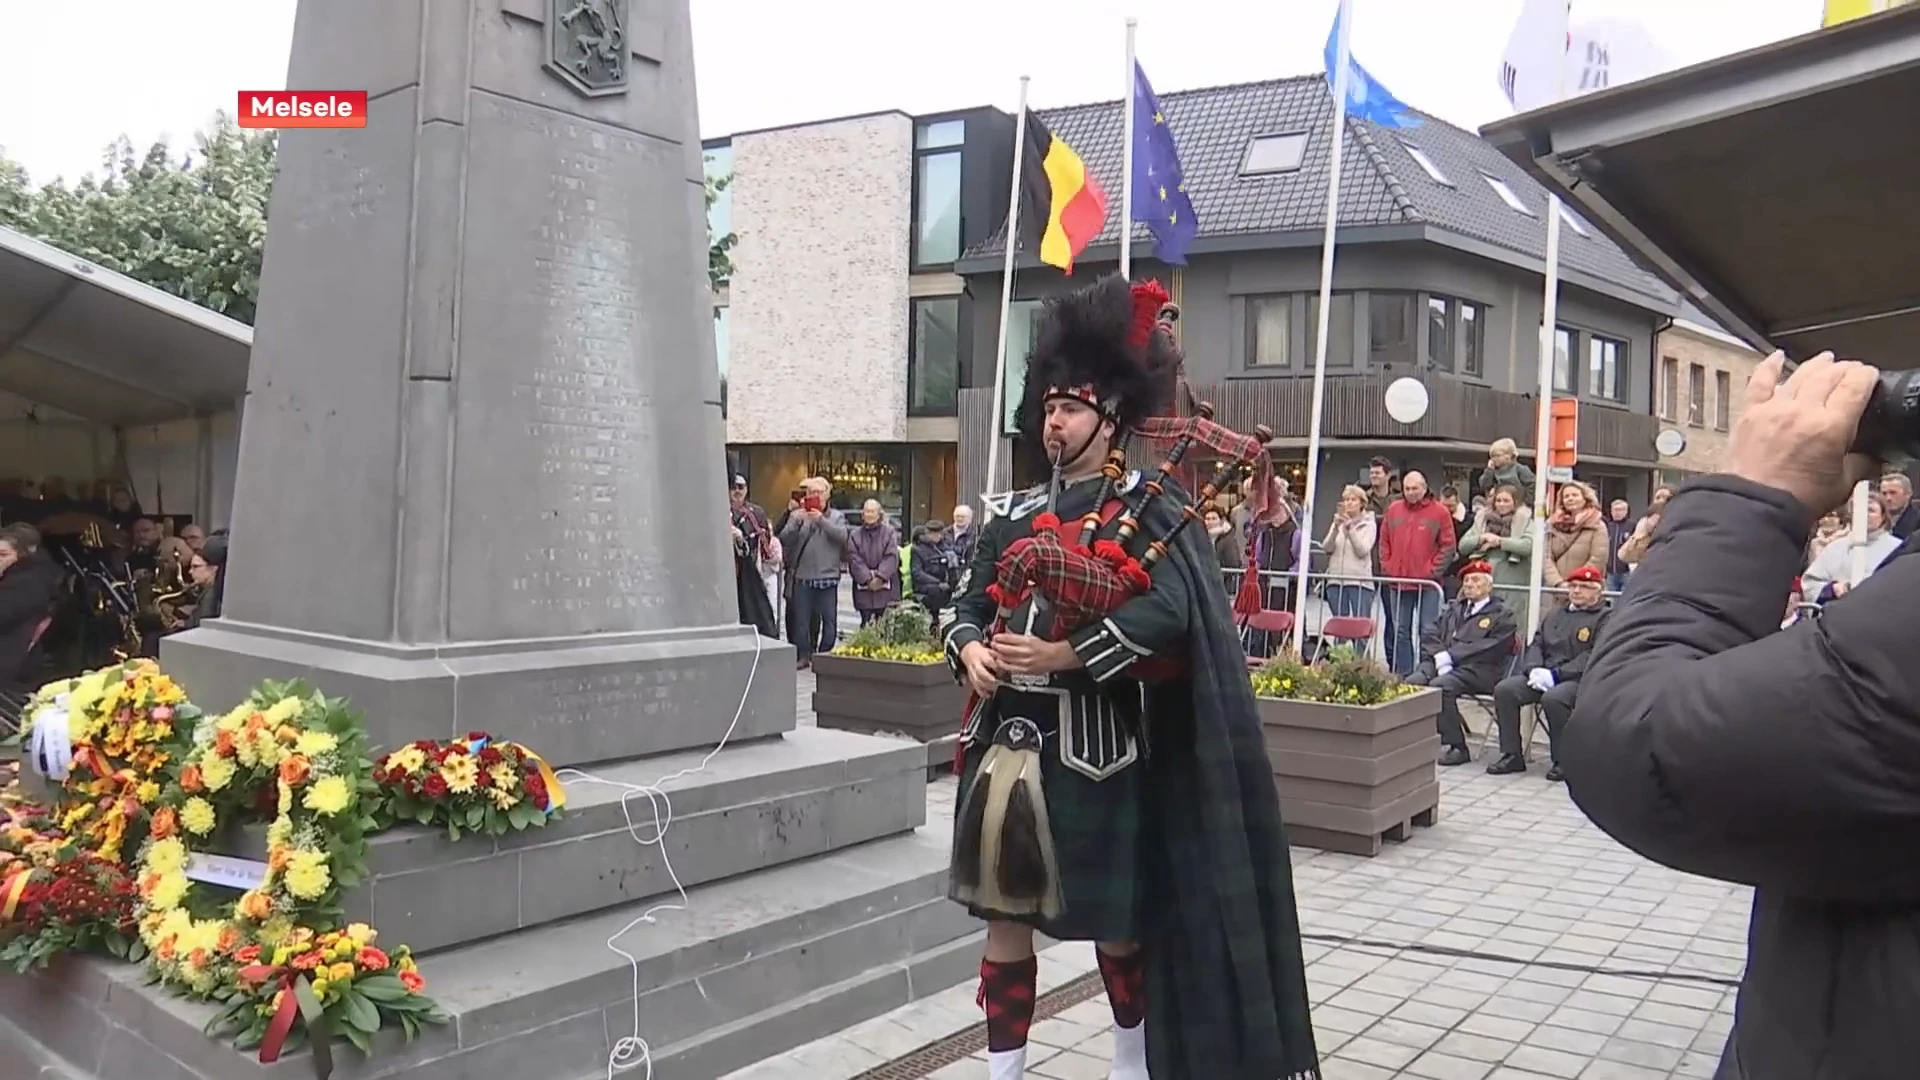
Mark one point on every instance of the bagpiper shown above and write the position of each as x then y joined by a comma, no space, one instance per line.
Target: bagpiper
1115,784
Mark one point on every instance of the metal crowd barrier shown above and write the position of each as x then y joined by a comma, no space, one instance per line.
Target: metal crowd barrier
1320,610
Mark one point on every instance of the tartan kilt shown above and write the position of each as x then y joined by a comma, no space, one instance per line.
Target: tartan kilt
1096,828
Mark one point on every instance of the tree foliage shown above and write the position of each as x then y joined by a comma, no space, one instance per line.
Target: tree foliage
193,226
719,248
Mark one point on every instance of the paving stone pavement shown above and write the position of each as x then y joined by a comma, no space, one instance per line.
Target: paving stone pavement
1512,870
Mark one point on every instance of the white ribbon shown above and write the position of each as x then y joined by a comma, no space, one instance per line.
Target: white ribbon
53,741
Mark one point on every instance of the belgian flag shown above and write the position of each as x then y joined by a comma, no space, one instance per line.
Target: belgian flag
1061,205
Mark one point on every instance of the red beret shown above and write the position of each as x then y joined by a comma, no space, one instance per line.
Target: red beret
1477,566
1585,573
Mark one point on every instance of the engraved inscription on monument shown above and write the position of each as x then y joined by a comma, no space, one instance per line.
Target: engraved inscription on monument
587,45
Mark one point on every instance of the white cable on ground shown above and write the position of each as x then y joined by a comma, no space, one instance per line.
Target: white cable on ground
631,1050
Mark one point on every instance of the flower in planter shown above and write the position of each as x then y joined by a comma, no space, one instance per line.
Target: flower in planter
1344,677
904,633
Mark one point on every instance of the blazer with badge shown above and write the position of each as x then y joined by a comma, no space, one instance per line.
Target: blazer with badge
1478,642
1565,641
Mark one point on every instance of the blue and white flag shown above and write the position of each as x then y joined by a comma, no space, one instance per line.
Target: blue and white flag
1366,98
1159,184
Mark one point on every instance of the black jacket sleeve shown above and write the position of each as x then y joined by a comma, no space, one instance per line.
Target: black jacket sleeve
1576,665
1708,739
973,609
1536,655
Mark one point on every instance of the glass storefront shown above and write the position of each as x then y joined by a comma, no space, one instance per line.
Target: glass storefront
913,482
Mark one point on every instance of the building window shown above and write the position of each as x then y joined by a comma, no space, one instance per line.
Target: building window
720,345
1392,327
1562,360
1606,368
1506,194
1279,153
1669,388
1269,331
1439,333
933,362
1722,400
1473,338
936,192
1020,317
1340,343
1696,395
1421,159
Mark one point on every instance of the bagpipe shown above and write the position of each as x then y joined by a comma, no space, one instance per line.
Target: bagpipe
1061,578
1049,584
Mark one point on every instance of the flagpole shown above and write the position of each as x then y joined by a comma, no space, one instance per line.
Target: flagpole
998,422
1341,66
1549,350
1126,166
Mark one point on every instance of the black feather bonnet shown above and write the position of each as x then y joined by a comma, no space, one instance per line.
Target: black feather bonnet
1107,344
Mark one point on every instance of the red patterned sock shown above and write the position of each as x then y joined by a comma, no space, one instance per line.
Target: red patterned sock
1007,992
1125,977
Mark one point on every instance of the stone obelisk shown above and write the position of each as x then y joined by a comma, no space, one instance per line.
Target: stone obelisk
480,477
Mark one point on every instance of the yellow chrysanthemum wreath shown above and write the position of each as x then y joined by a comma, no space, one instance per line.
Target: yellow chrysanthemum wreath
289,756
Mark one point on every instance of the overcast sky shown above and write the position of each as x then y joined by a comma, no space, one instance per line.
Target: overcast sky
148,69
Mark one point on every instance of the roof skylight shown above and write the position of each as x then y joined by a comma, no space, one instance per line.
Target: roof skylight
1277,153
1506,194
1421,159
1572,221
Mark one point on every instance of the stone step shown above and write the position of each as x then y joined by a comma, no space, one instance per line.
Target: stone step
828,1010
773,959
756,804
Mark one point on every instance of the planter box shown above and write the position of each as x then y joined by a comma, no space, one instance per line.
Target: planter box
1354,776
889,697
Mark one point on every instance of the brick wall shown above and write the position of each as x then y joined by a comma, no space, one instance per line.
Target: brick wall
817,323
1706,444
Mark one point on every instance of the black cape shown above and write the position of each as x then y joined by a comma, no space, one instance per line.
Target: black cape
1226,982
756,608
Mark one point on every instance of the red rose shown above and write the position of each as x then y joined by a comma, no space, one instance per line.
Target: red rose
454,750
423,744
478,736
536,787
489,757
435,786
379,775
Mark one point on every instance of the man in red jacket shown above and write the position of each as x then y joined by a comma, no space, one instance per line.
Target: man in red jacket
1416,543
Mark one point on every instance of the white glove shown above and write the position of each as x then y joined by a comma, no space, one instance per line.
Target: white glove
1442,663
1540,679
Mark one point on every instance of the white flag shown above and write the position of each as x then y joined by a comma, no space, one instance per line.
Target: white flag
1596,54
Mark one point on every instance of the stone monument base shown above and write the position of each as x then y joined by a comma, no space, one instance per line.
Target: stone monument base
816,898
574,700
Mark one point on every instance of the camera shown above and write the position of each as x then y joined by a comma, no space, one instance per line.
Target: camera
1890,426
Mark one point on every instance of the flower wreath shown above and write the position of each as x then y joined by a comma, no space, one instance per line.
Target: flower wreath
107,738
288,753
478,784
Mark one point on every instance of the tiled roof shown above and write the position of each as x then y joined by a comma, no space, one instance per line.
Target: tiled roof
1380,184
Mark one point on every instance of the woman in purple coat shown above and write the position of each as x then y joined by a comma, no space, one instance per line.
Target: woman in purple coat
873,555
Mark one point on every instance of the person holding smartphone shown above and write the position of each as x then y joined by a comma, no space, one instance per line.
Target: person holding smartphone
817,544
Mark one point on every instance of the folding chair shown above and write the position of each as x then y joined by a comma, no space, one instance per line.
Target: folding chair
1485,701
1355,630
1271,622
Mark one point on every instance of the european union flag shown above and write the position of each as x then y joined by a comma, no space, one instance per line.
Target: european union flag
1159,187
1366,98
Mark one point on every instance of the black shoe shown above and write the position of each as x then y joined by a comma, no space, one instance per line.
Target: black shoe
1507,764
1455,755
1554,774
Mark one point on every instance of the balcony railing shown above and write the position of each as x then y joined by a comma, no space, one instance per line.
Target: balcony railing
1355,408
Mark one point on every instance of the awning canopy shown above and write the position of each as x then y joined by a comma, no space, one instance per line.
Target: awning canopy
105,348
1774,188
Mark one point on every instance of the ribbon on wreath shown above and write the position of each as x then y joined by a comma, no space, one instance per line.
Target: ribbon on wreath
14,888
556,794
298,1000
